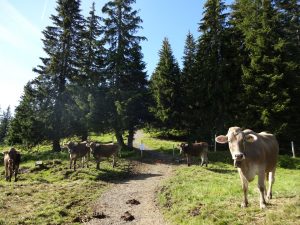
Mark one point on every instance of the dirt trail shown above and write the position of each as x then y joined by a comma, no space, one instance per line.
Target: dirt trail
141,187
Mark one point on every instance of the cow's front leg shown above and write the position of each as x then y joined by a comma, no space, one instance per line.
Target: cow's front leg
188,160
87,160
16,172
71,163
262,187
114,163
74,164
245,190
6,173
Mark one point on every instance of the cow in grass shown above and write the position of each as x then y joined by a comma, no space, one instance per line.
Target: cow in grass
12,159
253,154
195,149
78,151
104,150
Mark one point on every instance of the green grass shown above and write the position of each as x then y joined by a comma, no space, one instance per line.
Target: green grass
212,195
199,195
161,145
54,194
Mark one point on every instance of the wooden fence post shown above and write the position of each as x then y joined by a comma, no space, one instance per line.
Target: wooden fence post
173,151
215,147
293,149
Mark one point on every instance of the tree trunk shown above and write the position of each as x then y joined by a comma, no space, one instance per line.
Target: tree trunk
56,145
130,138
120,139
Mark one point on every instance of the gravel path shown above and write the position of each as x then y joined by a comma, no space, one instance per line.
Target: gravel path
134,201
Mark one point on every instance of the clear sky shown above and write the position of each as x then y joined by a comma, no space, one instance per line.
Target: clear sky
22,23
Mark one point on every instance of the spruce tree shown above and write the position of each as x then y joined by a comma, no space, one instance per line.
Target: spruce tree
214,84
63,46
91,79
126,77
190,95
265,79
5,119
165,89
289,31
28,125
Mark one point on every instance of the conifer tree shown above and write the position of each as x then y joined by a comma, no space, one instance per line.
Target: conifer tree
5,119
28,125
264,78
211,60
126,77
289,31
191,120
91,79
63,46
165,88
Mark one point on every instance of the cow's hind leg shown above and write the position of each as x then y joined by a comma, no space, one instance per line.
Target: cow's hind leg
114,163
16,172
188,160
202,160
271,182
262,187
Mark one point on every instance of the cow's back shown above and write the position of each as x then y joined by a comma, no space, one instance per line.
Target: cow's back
271,149
105,150
263,151
196,149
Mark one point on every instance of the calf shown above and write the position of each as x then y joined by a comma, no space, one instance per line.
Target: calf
78,151
12,159
195,149
253,154
104,150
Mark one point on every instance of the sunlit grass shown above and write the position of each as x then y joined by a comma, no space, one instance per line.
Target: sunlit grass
54,194
199,195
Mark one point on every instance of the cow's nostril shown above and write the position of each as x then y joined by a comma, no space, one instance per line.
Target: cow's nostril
239,156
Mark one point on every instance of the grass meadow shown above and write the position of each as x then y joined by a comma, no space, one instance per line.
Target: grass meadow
212,195
52,193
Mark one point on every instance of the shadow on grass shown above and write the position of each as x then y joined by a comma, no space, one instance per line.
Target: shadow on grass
223,171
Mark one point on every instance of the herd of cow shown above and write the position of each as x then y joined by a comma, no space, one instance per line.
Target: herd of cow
253,154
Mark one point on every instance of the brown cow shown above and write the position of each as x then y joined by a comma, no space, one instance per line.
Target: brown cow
195,149
78,151
253,154
104,150
12,159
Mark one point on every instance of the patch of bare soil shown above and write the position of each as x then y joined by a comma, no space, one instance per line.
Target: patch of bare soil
133,201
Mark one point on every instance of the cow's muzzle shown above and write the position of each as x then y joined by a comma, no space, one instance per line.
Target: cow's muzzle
238,158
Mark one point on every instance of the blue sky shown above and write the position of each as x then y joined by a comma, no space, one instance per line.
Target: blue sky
22,23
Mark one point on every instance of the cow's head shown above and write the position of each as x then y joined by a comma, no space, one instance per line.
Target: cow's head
181,147
236,140
92,146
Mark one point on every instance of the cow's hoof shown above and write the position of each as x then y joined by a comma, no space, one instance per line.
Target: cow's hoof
244,205
263,206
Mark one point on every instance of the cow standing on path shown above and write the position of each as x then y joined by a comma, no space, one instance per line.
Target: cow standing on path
195,149
253,154
12,159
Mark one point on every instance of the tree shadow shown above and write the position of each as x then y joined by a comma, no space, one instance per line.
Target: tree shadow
123,176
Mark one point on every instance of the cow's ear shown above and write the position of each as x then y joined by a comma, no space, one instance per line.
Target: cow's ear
250,138
222,139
